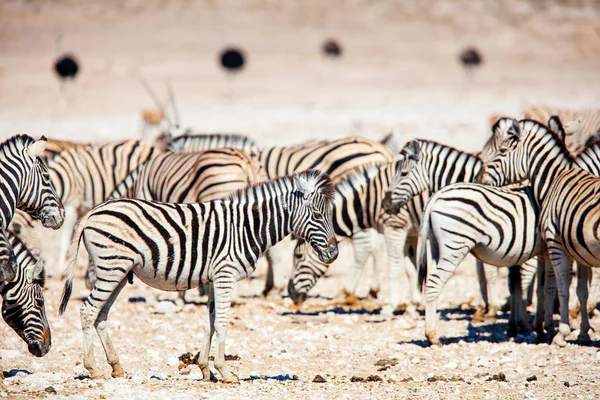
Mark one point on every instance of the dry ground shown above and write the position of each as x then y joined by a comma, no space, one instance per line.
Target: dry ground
399,73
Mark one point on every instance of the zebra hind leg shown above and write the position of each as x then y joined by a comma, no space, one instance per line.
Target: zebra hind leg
561,263
203,354
583,277
223,291
111,355
107,282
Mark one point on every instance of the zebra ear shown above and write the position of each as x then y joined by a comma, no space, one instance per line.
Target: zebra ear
555,124
411,150
514,130
37,148
303,186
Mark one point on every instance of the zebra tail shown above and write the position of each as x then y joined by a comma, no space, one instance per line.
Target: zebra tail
72,257
126,187
424,234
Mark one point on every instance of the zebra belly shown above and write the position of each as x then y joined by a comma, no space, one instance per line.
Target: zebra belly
161,282
499,258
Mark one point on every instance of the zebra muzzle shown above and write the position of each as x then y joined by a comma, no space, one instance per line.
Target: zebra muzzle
388,206
52,217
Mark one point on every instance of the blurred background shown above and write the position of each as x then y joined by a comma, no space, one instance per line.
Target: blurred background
299,69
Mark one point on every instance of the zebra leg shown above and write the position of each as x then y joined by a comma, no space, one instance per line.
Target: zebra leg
223,289
491,274
111,355
483,289
594,291
379,261
541,301
203,355
277,257
110,280
66,233
561,263
362,249
550,296
395,240
583,277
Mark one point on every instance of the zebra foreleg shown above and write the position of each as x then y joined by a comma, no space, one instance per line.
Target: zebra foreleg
362,244
203,355
561,263
583,277
379,262
395,240
541,293
223,289
111,354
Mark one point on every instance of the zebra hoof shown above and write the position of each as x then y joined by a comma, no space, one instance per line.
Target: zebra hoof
584,339
434,340
479,315
541,338
512,330
118,372
373,294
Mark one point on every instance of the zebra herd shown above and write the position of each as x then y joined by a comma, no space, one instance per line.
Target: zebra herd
195,210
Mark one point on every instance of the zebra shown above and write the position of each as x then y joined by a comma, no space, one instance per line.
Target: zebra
26,185
178,246
356,208
188,178
85,176
189,143
568,207
23,302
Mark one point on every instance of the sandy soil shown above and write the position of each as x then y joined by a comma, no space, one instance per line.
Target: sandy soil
399,73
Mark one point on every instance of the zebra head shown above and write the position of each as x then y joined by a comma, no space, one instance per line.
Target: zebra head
37,194
507,165
312,213
307,270
409,180
23,307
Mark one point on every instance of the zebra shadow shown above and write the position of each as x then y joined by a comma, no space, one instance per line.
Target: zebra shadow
335,310
14,372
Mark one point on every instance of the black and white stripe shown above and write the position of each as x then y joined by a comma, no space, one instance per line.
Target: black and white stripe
178,246
189,142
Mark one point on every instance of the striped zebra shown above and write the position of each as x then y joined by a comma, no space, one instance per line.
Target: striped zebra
429,166
25,185
85,176
568,207
178,246
188,178
23,302
188,142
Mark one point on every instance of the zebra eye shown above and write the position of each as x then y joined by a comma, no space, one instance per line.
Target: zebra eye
317,216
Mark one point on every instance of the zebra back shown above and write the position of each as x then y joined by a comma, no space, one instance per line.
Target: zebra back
22,299
336,158
88,175
188,142
191,177
54,147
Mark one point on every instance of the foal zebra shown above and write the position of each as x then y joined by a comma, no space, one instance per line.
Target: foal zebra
178,246
25,185
568,204
22,300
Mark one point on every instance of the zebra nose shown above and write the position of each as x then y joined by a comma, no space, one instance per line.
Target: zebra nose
333,249
296,296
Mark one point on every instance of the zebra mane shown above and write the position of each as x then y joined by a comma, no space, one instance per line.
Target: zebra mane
317,179
20,140
233,140
432,143
359,176
532,127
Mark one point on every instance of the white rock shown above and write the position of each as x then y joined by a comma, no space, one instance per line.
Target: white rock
415,360
451,365
165,307
598,356
482,362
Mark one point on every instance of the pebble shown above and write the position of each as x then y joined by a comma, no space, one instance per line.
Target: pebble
165,307
172,361
482,362
451,365
598,356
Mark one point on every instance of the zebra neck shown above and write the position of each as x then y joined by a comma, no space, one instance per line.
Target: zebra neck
447,166
264,221
544,164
